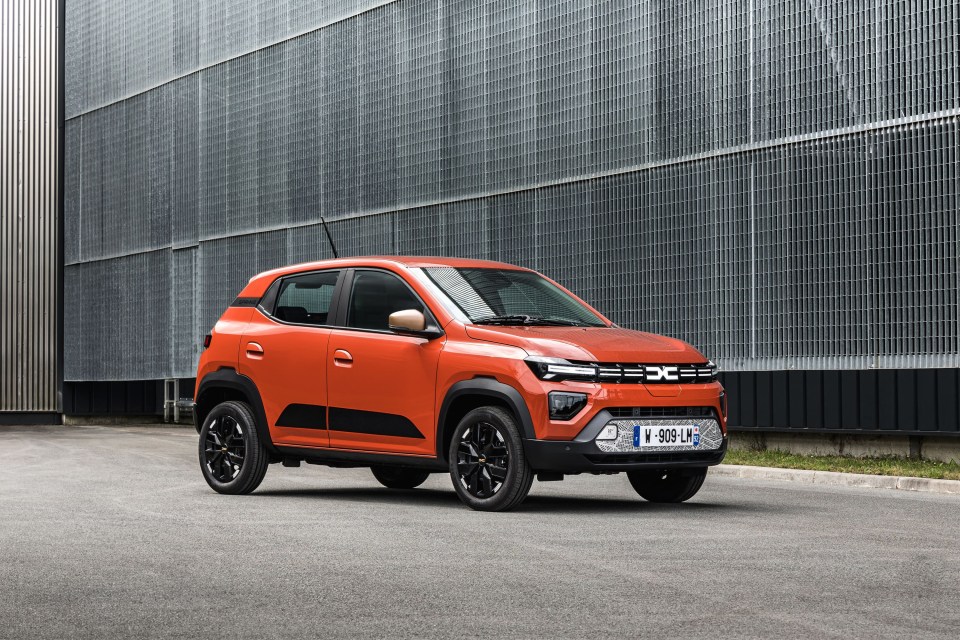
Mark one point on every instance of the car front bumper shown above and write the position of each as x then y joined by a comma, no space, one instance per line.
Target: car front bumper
583,455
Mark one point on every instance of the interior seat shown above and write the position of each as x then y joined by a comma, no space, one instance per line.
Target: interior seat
292,314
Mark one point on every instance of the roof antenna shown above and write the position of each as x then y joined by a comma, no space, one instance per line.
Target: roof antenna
329,238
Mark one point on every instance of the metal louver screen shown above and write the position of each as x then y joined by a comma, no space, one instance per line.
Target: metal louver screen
775,182
29,217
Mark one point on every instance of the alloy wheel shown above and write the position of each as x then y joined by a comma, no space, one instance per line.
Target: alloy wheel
482,460
224,449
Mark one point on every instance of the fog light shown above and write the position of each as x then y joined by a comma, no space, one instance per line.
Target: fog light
565,405
610,432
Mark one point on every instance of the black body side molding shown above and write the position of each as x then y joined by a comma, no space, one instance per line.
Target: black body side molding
303,416
488,387
372,422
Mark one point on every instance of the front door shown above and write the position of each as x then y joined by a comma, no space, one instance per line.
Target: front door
381,384
284,352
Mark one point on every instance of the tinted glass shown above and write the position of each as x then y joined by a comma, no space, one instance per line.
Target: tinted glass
376,295
510,296
306,299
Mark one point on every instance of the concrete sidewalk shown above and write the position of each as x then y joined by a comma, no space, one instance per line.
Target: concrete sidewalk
835,478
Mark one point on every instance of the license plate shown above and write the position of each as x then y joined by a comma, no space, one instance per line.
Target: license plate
673,436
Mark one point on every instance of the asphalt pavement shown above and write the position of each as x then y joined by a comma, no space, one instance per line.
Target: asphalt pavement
111,532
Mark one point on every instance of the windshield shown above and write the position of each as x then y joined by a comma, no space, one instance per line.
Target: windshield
503,296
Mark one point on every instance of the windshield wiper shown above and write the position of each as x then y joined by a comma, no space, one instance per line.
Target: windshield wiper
526,319
566,323
508,319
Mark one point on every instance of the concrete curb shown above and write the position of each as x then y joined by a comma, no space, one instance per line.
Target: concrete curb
951,487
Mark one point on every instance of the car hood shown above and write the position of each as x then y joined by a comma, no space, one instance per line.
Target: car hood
599,344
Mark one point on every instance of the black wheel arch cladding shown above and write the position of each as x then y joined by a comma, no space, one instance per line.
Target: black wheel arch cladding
482,387
214,384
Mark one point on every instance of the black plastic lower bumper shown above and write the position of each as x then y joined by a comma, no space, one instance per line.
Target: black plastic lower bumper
571,456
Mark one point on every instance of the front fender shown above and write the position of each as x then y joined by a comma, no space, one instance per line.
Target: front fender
487,387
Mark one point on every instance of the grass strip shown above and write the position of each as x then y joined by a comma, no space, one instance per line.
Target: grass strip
883,466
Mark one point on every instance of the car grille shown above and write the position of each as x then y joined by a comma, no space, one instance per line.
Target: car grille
662,412
656,373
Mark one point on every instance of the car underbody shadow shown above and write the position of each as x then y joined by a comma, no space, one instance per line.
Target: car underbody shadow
382,495
585,504
533,504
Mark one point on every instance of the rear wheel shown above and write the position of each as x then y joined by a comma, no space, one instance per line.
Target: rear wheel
232,457
667,485
487,463
399,478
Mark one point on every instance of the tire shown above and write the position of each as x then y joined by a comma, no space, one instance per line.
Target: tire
669,485
399,477
233,460
500,484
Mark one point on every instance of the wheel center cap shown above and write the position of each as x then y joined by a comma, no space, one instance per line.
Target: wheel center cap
224,449
483,460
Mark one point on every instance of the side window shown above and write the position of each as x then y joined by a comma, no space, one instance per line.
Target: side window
306,299
376,295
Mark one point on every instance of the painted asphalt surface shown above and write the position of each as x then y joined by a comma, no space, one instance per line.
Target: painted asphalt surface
110,532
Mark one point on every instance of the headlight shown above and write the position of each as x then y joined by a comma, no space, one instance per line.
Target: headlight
564,405
560,369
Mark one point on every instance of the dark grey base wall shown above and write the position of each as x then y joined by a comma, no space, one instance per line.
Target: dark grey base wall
123,397
895,401
21,418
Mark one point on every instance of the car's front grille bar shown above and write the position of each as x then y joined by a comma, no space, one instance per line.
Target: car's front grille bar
662,412
656,373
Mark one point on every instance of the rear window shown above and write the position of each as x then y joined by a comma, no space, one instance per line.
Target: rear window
306,299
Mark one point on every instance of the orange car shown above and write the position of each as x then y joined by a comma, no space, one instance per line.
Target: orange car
488,371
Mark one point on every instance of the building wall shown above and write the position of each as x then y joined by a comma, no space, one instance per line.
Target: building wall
29,229
776,182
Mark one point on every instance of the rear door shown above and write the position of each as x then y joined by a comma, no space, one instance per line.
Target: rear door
284,351
381,384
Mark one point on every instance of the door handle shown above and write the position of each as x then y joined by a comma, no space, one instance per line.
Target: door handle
342,358
254,350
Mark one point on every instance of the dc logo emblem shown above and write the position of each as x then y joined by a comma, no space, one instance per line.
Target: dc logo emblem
669,374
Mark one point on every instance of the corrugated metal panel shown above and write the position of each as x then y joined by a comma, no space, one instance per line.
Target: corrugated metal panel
29,147
776,182
870,401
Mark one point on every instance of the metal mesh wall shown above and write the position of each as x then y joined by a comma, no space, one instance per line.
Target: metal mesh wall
776,182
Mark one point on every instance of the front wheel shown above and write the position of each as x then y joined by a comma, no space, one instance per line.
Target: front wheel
232,457
667,485
399,478
487,463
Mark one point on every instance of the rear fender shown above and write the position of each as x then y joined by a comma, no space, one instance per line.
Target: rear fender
228,382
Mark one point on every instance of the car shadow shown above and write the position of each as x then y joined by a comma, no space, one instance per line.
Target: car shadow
580,504
533,504
587,505
379,495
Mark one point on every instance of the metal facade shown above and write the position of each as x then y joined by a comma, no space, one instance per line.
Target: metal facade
29,164
776,182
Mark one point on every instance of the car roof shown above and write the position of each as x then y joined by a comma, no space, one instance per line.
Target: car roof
261,280
435,261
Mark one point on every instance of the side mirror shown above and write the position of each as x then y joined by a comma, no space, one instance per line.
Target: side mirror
408,319
411,322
